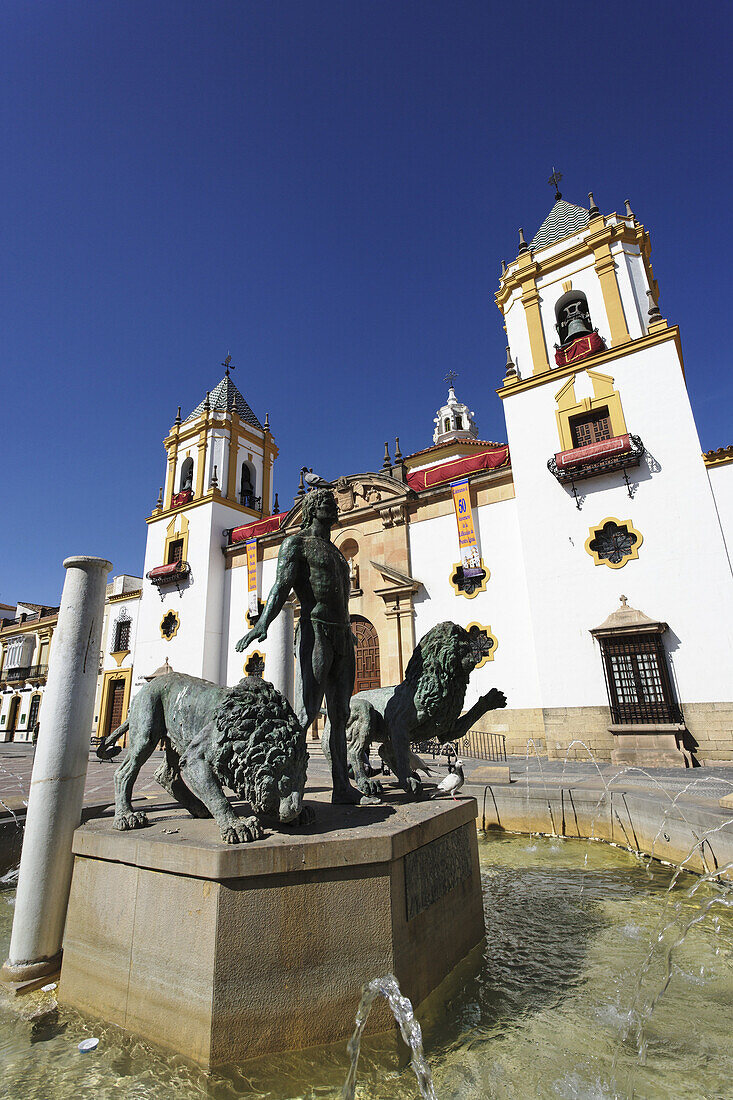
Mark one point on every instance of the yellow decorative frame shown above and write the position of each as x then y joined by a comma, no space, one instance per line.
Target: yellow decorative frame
170,637
254,653
459,591
486,630
604,396
598,527
115,674
173,534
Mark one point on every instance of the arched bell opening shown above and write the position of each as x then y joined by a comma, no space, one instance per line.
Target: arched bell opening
247,486
572,317
186,475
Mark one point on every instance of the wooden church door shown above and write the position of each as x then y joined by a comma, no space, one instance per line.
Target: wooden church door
367,654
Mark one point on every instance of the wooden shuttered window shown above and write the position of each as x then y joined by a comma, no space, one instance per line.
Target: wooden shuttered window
592,427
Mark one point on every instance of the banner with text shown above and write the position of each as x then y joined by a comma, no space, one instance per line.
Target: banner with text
252,602
467,542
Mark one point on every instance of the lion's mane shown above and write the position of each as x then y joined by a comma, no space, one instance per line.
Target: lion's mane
259,739
436,674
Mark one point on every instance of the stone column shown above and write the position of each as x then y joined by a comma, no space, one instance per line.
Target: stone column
280,661
59,772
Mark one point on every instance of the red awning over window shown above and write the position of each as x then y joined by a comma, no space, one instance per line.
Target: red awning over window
458,467
165,570
259,527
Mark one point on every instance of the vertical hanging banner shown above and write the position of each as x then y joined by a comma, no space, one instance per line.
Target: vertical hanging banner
252,602
467,542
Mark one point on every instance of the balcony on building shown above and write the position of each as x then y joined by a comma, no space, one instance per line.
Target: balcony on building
26,674
171,573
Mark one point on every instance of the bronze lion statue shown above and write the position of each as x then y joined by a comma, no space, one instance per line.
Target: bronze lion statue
425,706
246,738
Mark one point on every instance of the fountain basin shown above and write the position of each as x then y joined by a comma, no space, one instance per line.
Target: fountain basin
225,952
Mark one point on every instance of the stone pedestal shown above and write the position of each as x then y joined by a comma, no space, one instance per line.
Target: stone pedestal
226,952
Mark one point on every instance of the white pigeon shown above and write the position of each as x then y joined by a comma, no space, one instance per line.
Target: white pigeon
417,764
453,782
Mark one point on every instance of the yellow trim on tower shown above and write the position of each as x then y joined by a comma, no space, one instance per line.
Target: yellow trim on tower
601,359
231,492
201,458
568,406
605,266
176,529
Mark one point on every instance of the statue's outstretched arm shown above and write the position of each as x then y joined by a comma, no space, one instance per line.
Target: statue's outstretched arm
287,569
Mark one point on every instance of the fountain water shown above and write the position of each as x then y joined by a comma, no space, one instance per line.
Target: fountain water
388,987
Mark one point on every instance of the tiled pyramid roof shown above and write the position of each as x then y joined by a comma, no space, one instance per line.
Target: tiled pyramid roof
564,219
227,396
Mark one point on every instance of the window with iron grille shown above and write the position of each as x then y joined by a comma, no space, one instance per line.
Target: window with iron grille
122,635
175,551
482,643
255,666
592,427
613,542
637,678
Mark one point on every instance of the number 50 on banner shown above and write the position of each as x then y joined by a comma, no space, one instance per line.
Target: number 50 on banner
468,545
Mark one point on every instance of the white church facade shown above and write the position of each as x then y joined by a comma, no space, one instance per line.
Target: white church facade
588,555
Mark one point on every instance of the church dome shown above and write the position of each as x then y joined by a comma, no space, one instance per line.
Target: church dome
454,420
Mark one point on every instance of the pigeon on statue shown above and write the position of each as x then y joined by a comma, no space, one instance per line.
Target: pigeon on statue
453,782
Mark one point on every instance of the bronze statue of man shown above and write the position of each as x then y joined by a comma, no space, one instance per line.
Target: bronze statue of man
311,566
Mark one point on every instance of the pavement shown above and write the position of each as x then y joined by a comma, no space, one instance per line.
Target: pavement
703,787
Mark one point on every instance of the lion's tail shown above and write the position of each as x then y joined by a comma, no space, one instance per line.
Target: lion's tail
106,749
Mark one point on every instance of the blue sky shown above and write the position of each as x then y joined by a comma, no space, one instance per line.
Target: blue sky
326,189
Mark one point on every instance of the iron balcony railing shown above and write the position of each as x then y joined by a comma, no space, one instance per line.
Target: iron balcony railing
29,672
249,500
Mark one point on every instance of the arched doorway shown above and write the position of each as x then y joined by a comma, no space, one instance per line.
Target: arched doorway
367,654
13,717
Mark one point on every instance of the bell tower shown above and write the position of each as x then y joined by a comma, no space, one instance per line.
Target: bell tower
219,475
606,462
454,420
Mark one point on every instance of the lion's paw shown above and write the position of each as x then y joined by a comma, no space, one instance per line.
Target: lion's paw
496,700
370,786
245,830
130,820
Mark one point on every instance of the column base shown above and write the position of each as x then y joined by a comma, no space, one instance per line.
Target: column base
31,972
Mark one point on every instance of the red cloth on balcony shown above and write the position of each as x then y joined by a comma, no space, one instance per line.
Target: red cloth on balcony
165,570
593,452
181,498
579,349
458,467
259,527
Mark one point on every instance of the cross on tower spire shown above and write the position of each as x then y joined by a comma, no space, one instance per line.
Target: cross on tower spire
450,378
554,181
